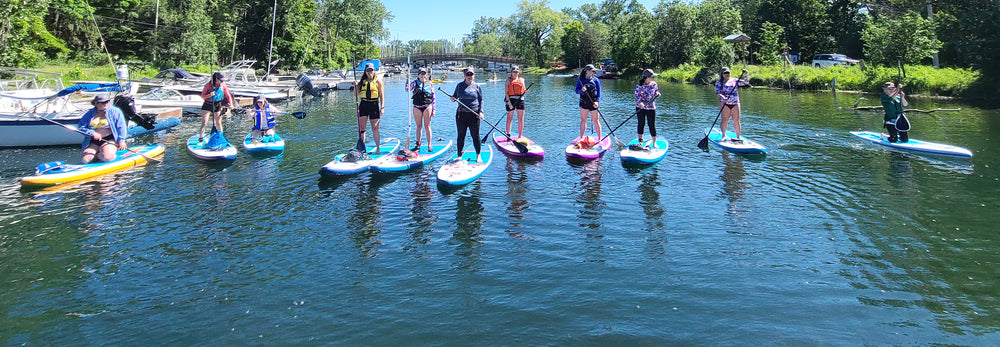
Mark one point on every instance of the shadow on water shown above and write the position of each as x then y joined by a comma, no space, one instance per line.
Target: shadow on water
733,184
422,213
469,218
364,223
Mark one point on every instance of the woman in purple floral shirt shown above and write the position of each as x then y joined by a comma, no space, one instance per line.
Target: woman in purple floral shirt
729,100
645,106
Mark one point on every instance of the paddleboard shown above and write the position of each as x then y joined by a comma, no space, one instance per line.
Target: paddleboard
338,167
746,147
587,153
914,145
506,146
423,157
200,151
267,145
647,155
458,171
58,173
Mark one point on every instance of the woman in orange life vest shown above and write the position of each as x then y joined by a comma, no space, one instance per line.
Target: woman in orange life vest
370,89
423,106
514,100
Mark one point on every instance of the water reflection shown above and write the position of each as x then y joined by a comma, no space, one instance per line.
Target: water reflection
469,217
649,200
517,194
733,178
363,223
422,214
592,207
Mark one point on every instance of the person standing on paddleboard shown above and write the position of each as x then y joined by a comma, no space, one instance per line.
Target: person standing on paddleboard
893,100
589,88
645,106
729,100
218,100
106,126
370,89
514,100
423,106
469,93
263,118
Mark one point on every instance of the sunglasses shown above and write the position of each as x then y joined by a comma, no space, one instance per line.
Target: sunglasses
366,70
470,73
725,73
421,73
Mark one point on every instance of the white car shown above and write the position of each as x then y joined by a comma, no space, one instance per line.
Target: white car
831,59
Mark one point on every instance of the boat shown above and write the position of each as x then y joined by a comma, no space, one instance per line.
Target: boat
643,153
160,98
242,81
339,167
268,145
200,149
608,70
404,164
505,145
460,171
55,173
914,145
744,147
576,150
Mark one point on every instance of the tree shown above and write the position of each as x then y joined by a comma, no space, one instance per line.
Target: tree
714,53
536,29
806,24
675,34
630,39
770,44
570,43
24,39
908,39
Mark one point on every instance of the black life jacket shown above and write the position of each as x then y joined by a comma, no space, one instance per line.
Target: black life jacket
420,95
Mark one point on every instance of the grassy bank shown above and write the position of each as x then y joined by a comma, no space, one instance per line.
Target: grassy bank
919,79
72,71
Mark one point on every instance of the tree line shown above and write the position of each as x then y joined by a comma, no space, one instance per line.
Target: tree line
168,33
883,32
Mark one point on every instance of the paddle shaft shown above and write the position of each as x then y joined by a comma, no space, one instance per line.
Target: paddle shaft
86,134
704,141
520,146
409,105
487,136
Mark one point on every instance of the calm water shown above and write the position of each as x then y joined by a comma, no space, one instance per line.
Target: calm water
826,240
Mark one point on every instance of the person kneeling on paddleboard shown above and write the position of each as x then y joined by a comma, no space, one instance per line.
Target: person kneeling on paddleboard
263,118
893,100
106,127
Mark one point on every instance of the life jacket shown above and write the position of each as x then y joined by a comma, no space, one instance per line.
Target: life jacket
368,89
421,93
591,90
263,118
515,89
217,94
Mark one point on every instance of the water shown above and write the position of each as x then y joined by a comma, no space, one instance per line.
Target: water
827,240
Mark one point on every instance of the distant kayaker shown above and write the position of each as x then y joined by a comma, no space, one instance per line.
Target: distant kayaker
645,107
218,100
370,89
514,100
423,106
263,118
893,100
469,93
729,100
589,89
106,126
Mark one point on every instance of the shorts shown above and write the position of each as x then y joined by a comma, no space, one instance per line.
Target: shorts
212,106
422,107
518,104
587,105
369,109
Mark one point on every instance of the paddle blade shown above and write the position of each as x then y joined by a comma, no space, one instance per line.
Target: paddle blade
521,147
299,115
703,143
360,146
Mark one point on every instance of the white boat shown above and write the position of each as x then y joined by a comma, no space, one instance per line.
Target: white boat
242,81
159,98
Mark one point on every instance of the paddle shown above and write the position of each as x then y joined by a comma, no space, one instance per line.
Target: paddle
85,134
360,146
487,136
296,114
520,146
704,142
620,125
409,105
901,123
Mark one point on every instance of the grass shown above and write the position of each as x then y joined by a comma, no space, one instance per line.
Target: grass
73,71
919,79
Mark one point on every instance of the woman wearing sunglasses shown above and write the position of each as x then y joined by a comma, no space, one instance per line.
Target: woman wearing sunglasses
372,104
469,93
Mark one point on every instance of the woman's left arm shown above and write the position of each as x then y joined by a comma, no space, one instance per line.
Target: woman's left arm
121,125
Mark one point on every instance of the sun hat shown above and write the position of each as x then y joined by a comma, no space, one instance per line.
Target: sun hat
469,69
648,73
724,70
369,66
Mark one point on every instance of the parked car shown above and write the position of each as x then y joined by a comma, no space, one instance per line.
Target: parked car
831,59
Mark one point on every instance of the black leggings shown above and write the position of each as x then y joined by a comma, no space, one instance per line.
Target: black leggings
470,121
644,117
896,135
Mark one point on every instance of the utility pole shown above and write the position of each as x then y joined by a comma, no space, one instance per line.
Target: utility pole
930,16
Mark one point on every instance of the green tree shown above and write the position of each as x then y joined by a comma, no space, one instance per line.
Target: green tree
536,29
675,34
24,39
570,43
630,39
805,22
909,39
714,53
770,44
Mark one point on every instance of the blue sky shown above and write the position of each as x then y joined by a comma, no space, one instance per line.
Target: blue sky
452,19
